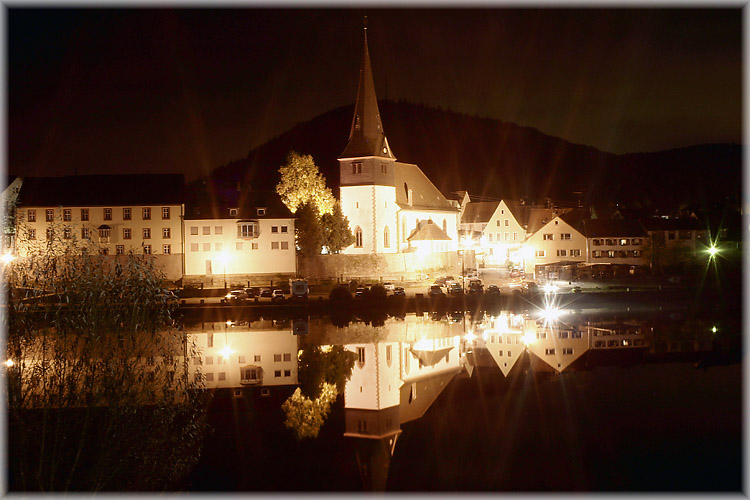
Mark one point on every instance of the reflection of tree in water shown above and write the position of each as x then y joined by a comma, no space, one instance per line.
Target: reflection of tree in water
322,376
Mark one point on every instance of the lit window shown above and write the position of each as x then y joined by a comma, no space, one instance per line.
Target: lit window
126,214
31,215
165,213
32,234
67,217
120,249
146,249
84,214
146,213
247,230
565,236
549,352
166,233
107,214
167,249
85,233
126,233
146,233
539,253
50,214
548,237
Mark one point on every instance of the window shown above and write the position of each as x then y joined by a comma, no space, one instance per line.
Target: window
256,358
507,222
386,237
260,211
597,242
567,350
66,233
104,251
383,168
194,230
107,214
233,212
207,247
274,229
84,214
194,247
146,233
209,377
575,252
85,233
126,233
276,358
222,376
31,215
500,352
507,236
611,242
549,352
206,229
218,247
165,212
166,249
361,355
541,335
287,373
388,355
356,167
254,246
597,254
67,217
548,237
509,354
209,343
636,253
146,213
284,229
218,230
274,245
247,230
358,237
277,373
285,245
498,222
562,253
120,249
565,236
622,254
624,242
515,236
575,334
104,233
32,234
50,215
238,246
287,356
562,335
166,233
146,249
489,236
539,253
126,214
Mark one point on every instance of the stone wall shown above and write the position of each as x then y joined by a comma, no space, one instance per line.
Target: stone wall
406,266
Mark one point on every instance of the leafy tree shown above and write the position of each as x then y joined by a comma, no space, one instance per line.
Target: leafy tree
99,391
306,416
301,182
309,232
336,232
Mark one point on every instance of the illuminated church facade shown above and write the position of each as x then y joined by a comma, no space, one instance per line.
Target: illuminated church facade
391,206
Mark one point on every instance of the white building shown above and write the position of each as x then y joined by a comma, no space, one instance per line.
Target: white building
383,199
116,214
250,240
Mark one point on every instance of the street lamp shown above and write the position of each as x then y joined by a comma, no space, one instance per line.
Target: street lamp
224,258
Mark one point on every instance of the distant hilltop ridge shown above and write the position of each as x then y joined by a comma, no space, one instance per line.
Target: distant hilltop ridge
497,159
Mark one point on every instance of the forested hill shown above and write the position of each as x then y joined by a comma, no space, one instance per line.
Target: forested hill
502,160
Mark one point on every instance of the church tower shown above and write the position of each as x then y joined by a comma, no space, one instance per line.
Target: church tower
367,167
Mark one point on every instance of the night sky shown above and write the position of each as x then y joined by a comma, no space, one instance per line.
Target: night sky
184,91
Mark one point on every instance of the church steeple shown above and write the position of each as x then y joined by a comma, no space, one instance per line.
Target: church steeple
366,137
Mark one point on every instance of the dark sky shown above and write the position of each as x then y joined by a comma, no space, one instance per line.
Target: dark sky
184,91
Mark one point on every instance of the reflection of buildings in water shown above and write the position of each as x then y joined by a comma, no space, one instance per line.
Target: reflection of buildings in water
557,344
241,355
394,382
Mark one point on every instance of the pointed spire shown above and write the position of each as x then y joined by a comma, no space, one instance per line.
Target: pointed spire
366,136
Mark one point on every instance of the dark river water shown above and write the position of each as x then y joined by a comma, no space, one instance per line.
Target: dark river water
502,402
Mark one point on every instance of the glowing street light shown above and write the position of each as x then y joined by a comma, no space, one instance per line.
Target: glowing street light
9,363
551,313
714,329
712,251
7,258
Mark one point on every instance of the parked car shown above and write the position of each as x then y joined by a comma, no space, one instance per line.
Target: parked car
475,286
493,289
266,292
455,289
360,292
236,295
252,292
278,295
399,291
435,291
390,287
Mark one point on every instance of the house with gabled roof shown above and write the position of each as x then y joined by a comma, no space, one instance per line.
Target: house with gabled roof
383,199
555,239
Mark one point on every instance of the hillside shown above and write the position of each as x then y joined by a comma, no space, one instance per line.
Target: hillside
502,160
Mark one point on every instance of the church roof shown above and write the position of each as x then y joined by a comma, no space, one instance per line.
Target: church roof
367,137
424,193
428,230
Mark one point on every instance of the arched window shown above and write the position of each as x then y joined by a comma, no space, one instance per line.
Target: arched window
386,238
358,237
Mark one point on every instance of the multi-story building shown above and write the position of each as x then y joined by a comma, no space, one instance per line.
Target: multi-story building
554,239
386,200
250,239
115,214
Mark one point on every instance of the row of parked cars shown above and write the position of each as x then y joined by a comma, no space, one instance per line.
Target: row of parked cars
241,294
448,285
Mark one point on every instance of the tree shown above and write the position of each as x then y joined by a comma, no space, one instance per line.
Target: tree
306,416
336,232
301,182
309,232
98,387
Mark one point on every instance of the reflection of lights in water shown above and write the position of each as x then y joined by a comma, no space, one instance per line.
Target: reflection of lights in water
712,250
470,337
9,363
326,348
528,338
7,258
551,313
227,351
229,322
550,288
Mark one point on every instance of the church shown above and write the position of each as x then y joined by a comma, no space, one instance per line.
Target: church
391,206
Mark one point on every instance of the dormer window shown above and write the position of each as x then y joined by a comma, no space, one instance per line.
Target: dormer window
356,167
261,211
233,212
